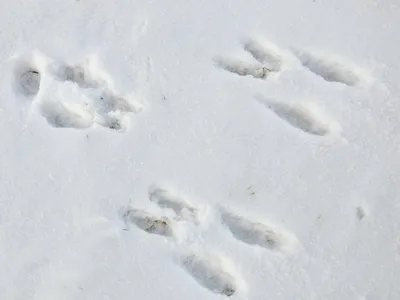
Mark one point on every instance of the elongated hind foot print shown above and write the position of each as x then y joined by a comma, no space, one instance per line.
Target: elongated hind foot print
333,69
61,115
304,116
242,68
267,59
212,272
266,53
256,233
148,222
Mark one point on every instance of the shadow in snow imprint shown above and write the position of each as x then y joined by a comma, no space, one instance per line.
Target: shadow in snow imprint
109,109
75,74
361,213
211,272
148,222
304,116
332,69
62,115
30,82
256,233
166,199
87,75
100,105
27,76
242,68
266,53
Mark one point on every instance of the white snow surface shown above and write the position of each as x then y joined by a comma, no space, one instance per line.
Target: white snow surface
104,102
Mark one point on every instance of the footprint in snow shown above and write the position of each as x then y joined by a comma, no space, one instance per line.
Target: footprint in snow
89,74
332,69
106,108
267,59
148,222
265,52
112,120
242,68
74,74
111,102
167,199
111,109
29,82
61,115
256,233
304,116
212,272
27,75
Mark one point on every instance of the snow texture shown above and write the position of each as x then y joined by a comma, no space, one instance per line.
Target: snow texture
199,150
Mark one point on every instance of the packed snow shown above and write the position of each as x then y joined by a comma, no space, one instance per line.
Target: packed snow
200,149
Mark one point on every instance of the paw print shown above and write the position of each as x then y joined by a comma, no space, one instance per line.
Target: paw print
268,58
72,96
211,270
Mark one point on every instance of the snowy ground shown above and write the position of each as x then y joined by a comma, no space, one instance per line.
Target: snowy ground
199,149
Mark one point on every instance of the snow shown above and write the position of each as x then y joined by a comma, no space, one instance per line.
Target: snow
118,120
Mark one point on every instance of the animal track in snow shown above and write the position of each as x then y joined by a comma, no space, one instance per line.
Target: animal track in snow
304,116
268,59
111,102
115,121
257,233
62,115
212,272
332,69
29,82
99,104
264,52
167,199
78,75
110,109
27,75
148,222
242,68
361,212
